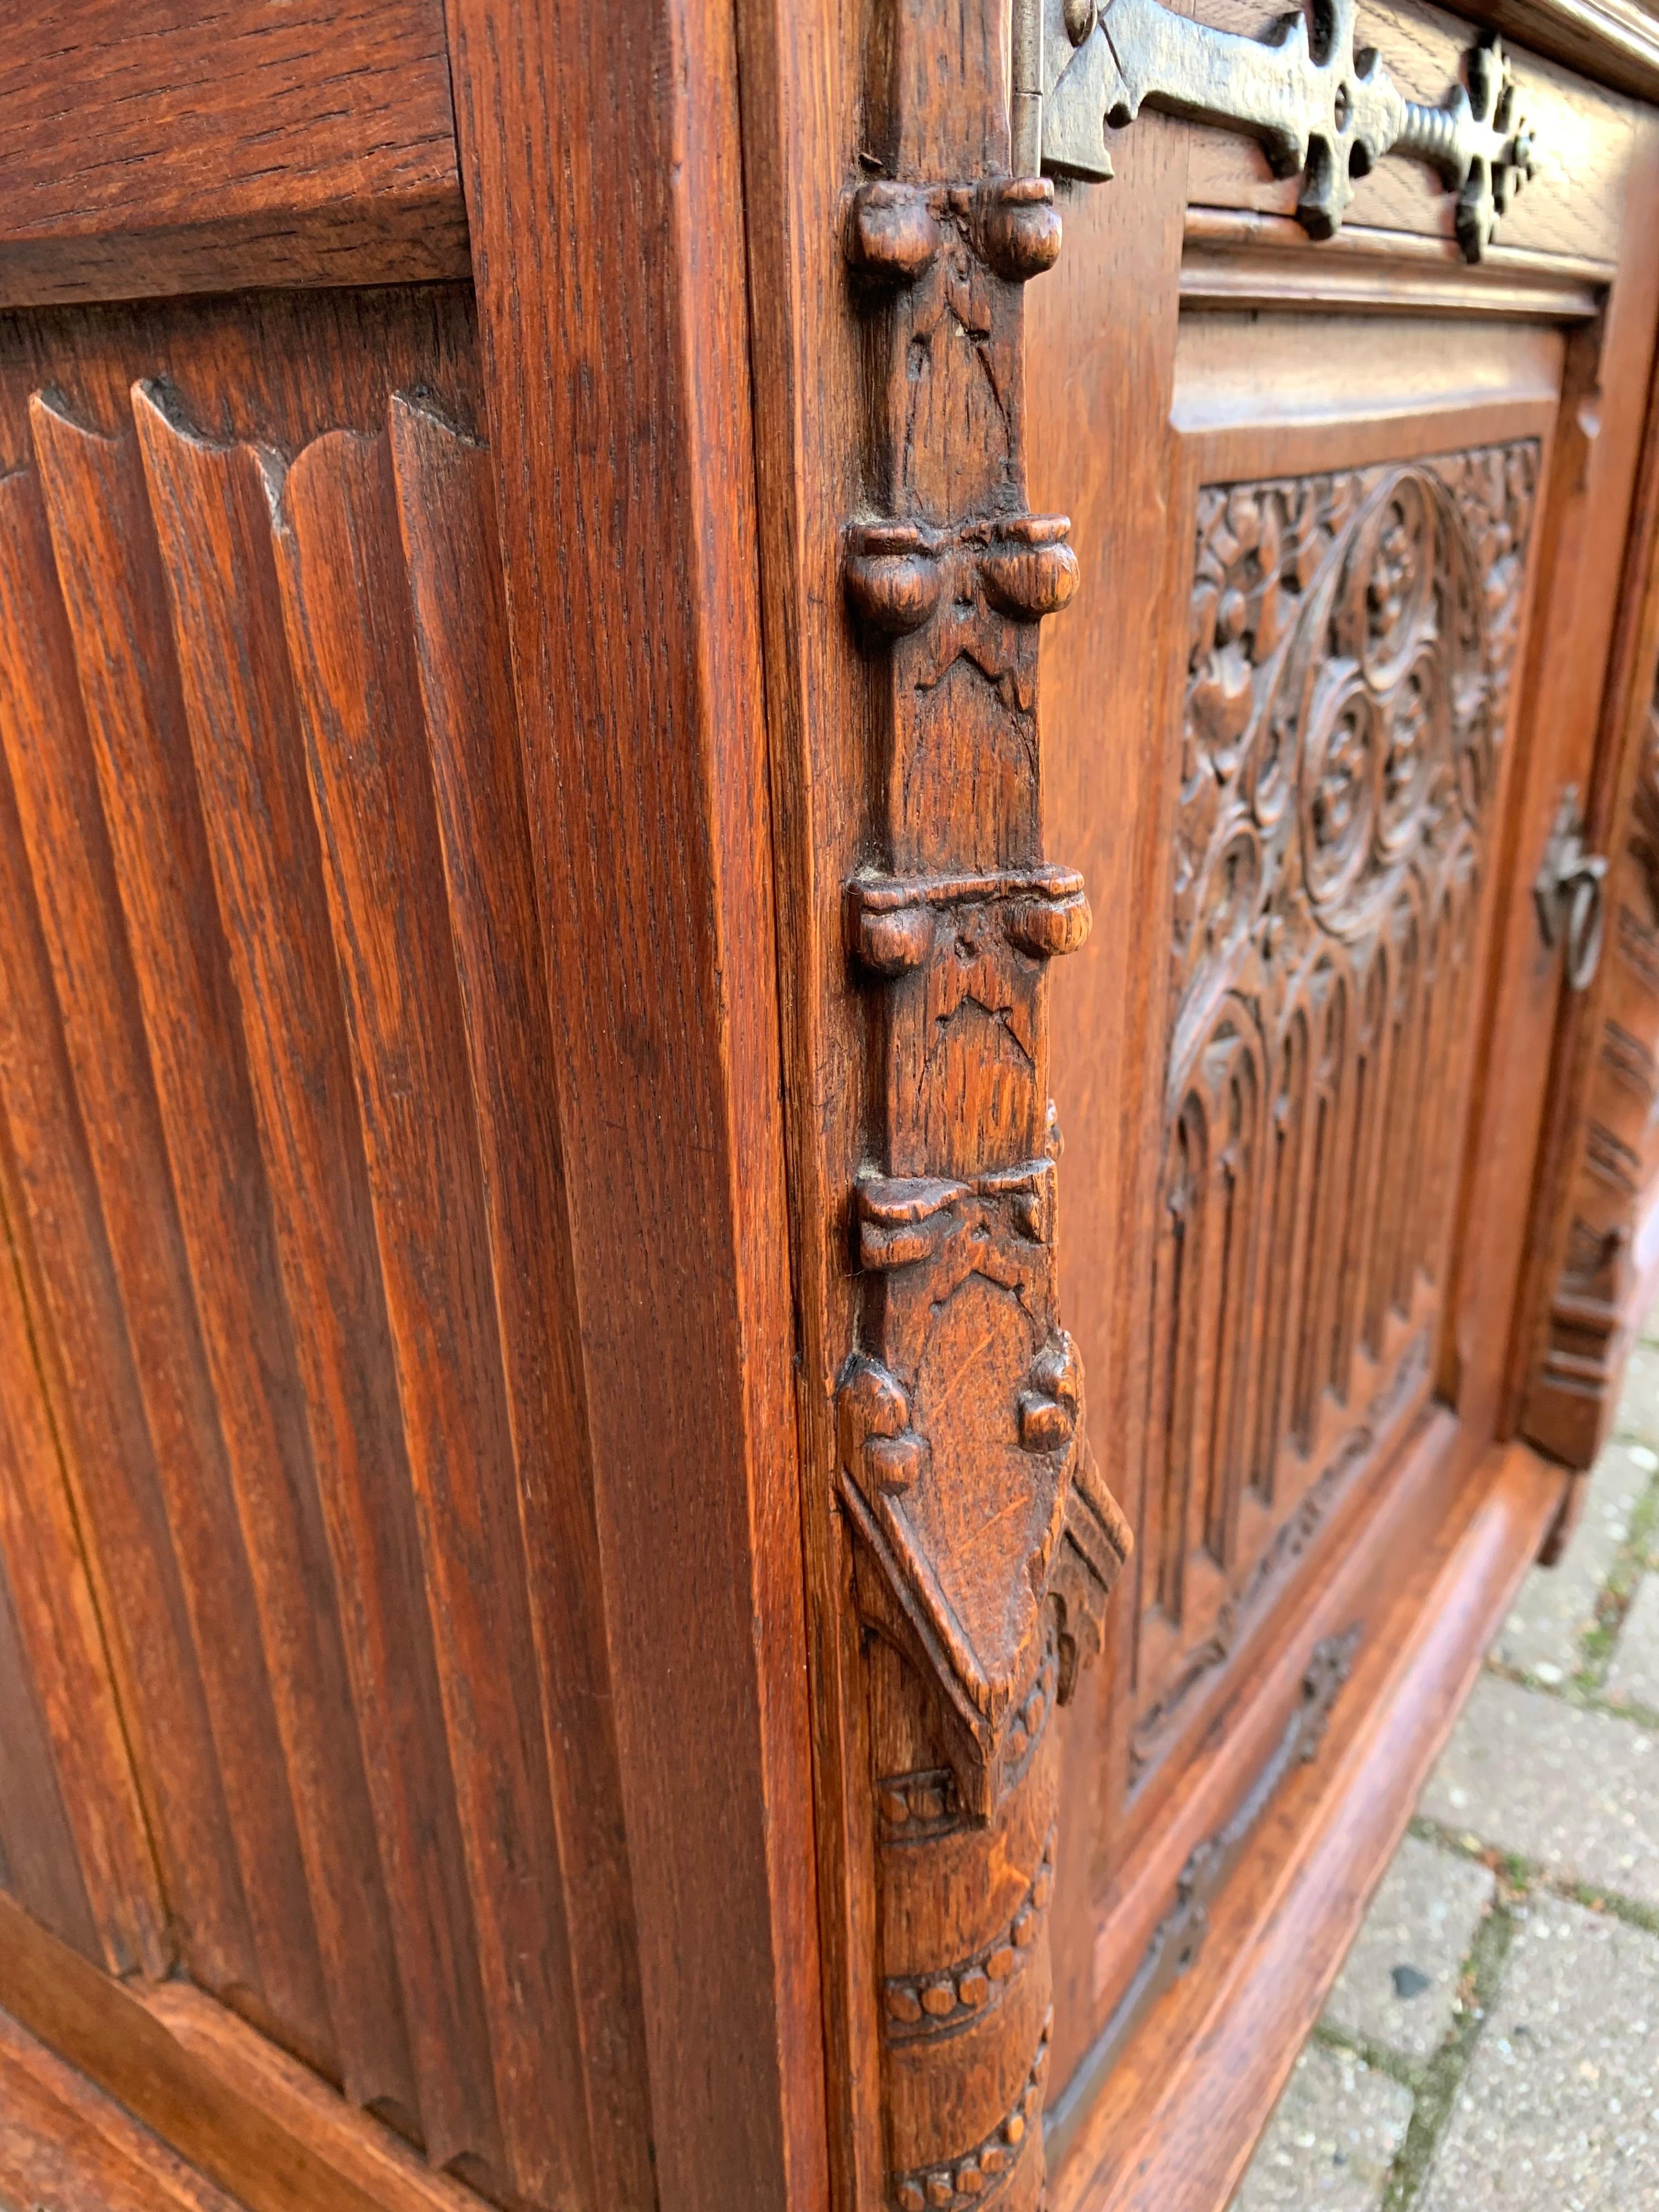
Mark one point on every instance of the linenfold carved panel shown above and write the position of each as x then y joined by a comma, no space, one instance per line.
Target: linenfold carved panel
273,1049
1353,641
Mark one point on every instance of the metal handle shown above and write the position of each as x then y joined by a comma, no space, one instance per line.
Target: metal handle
1568,893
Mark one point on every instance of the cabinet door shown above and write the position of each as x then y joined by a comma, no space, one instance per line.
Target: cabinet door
376,1061
1361,516
1315,475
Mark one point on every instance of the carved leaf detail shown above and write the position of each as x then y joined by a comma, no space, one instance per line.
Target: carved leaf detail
1350,661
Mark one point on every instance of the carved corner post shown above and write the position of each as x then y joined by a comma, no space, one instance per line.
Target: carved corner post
985,1544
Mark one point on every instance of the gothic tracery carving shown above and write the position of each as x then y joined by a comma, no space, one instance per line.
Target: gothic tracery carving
1353,641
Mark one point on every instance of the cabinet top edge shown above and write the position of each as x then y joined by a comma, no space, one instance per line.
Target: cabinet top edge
1614,42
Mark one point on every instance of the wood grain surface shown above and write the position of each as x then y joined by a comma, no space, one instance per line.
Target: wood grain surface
1593,1256
616,357
304,1206
546,1512
68,2146
1571,205
218,2093
1344,390
168,148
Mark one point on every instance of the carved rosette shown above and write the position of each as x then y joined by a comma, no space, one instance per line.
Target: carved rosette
985,1545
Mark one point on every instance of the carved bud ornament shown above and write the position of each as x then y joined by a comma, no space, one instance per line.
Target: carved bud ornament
985,1544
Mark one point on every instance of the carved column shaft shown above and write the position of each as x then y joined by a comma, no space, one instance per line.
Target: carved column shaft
985,1544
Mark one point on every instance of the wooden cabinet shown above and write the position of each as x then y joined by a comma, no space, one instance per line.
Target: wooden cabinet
639,654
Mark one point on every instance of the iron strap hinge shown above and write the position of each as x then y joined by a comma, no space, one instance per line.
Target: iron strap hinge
1322,107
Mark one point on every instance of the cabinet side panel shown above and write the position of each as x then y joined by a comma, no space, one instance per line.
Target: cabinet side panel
283,1103
60,1701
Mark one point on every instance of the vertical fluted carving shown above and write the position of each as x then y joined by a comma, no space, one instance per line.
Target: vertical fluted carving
275,1095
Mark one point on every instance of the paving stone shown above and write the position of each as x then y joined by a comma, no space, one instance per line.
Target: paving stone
1557,2112
1638,1406
1331,2140
1558,1604
1576,1790
1633,1677
1399,1982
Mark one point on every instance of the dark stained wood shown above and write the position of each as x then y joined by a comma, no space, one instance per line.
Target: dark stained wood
271,1518
51,796
1346,395
956,1484
164,148
1316,1092
446,508
213,528
802,131
356,687
112,567
1113,395
374,1223
36,1848
1098,415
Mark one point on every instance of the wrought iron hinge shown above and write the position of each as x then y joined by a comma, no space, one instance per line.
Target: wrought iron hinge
1568,892
1322,107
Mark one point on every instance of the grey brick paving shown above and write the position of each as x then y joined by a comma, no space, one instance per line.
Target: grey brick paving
1400,1980
1331,2140
1557,1605
1633,1677
1575,1789
1558,2110
1639,1408
1547,2099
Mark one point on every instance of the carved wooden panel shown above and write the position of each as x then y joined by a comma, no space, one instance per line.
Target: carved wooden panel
273,1062
1602,1264
1352,651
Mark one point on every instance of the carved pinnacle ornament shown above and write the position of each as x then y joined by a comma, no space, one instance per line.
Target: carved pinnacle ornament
982,1542
1322,107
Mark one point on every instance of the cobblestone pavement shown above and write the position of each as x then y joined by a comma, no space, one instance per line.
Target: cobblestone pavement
1491,2044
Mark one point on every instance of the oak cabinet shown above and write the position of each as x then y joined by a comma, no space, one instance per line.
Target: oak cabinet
642,654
